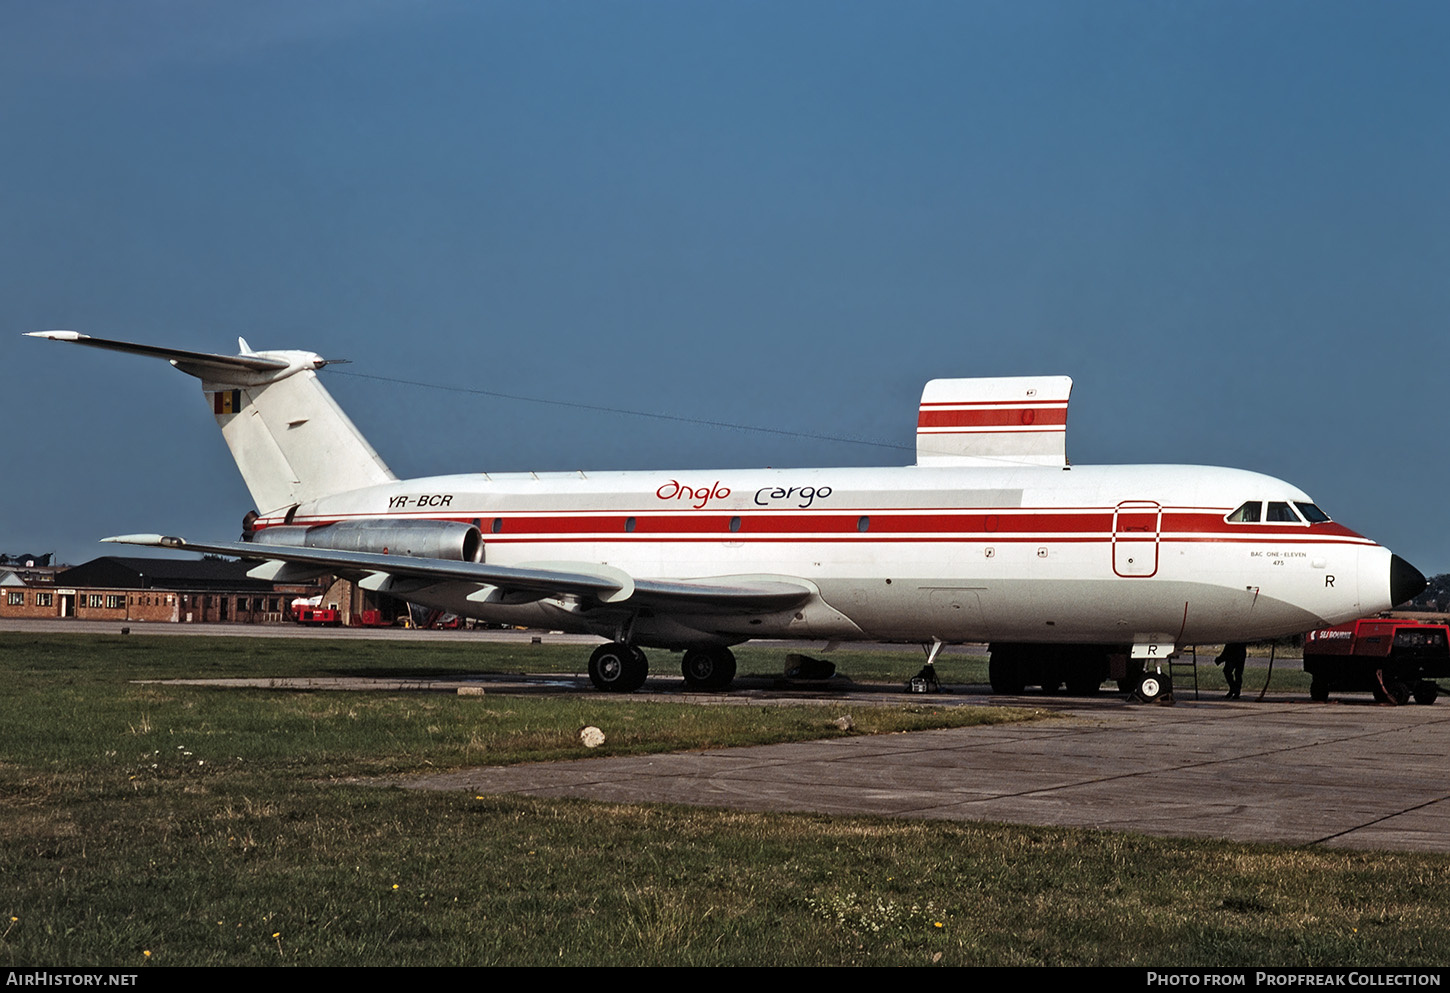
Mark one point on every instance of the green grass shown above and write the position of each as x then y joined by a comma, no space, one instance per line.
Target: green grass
213,827
86,692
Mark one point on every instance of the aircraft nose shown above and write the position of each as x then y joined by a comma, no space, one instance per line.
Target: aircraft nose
1406,582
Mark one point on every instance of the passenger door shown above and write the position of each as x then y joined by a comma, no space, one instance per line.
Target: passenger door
1136,525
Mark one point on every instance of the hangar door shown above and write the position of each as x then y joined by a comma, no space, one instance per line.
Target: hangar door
1136,525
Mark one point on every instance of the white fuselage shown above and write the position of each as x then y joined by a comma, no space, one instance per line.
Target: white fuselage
991,536
1102,555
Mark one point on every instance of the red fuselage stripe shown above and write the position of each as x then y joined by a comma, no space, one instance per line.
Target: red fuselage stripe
878,524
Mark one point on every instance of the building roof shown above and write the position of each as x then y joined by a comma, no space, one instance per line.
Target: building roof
141,573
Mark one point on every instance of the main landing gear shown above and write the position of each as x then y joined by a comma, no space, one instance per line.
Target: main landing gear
620,668
708,668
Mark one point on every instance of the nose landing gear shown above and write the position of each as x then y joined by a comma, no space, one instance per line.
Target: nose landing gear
1154,687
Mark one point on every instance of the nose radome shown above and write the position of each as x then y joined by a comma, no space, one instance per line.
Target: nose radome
1406,582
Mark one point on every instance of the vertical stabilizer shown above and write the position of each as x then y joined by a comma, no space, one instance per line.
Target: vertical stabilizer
290,439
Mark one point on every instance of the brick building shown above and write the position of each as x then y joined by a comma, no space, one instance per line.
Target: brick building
120,588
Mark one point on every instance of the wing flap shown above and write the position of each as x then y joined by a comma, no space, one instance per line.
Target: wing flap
587,580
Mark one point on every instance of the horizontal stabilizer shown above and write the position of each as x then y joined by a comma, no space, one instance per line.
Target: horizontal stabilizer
290,440
993,421
218,367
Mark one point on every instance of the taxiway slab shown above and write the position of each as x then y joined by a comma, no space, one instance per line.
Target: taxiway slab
1346,776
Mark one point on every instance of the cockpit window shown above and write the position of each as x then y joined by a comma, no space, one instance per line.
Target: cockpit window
1247,514
1276,512
1281,513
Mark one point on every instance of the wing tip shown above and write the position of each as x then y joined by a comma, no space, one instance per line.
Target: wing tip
154,540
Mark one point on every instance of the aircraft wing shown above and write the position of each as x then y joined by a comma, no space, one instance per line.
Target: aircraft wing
594,582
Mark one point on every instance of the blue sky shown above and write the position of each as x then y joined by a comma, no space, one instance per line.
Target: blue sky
1228,222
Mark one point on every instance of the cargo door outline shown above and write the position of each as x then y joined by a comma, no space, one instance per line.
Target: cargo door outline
1137,528
957,612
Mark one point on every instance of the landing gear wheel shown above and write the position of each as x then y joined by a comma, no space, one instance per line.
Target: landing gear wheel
1152,686
618,668
1426,692
708,668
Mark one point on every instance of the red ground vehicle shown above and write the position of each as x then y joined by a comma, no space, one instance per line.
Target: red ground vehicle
319,616
370,619
1394,659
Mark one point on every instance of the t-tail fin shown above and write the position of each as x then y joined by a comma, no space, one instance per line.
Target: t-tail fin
290,439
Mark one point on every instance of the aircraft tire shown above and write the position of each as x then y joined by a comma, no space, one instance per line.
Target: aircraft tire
1426,692
618,668
708,668
1152,686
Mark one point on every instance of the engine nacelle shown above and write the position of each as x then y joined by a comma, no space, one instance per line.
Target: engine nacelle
450,540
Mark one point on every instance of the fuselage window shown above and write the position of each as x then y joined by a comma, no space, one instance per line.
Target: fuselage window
734,524
1282,513
1311,513
1247,514
497,525
629,524
863,524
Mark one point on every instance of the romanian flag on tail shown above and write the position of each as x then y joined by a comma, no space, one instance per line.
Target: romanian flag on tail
227,402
